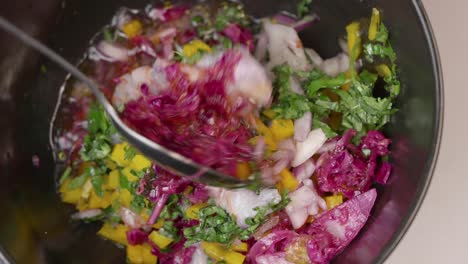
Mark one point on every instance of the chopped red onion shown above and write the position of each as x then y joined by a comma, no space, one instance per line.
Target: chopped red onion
302,127
112,52
87,214
304,171
130,218
307,148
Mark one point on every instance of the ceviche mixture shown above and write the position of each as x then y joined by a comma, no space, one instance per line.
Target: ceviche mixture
243,96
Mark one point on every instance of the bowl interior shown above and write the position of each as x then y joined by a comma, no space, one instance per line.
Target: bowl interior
35,225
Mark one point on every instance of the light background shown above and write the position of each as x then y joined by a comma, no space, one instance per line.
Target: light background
439,233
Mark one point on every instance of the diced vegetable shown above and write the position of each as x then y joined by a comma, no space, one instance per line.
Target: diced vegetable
288,181
160,240
192,211
117,234
242,170
118,155
195,46
220,253
240,247
140,162
374,24
132,28
354,40
114,179
333,200
282,129
140,254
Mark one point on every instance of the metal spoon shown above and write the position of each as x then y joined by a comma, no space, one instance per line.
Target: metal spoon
164,157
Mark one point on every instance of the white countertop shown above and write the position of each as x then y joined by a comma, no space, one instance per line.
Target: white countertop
440,230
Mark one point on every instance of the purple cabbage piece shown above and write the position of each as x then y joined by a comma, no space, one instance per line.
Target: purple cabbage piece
347,169
332,231
239,35
136,236
194,119
272,243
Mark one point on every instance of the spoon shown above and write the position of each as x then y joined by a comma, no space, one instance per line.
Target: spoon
164,157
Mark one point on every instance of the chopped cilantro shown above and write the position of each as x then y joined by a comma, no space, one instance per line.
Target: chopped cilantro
138,203
77,182
169,230
97,178
230,13
124,183
129,152
303,8
66,174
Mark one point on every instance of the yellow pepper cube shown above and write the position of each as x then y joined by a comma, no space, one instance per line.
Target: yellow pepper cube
282,129
86,189
354,40
127,172
70,196
148,257
333,200
383,70
374,24
288,181
132,28
214,250
118,155
240,247
158,224
135,254
140,162
193,47
114,179
117,234
110,164
125,198
192,211
269,113
232,257
160,240
243,170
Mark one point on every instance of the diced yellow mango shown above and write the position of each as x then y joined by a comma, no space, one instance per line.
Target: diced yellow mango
383,70
288,181
243,170
269,113
117,234
86,189
374,24
267,135
240,247
110,164
127,172
82,205
192,211
140,162
95,201
193,47
132,28
125,198
333,200
160,240
282,129
118,154
214,250
354,40
220,253
135,254
233,257
158,224
70,196
148,258
114,179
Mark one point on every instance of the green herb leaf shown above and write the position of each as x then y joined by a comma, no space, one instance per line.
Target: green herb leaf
124,183
129,152
326,82
303,8
66,174
77,182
